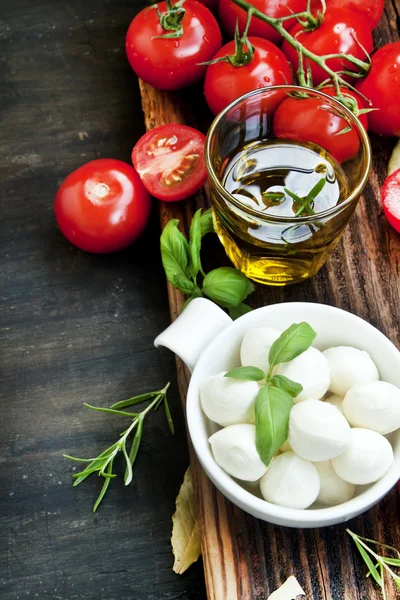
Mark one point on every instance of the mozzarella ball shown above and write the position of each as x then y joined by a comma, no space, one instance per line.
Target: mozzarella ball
366,460
374,406
228,401
336,401
290,481
349,366
255,347
311,370
334,490
318,431
234,449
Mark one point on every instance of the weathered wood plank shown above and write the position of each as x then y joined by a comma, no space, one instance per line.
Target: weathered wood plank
246,558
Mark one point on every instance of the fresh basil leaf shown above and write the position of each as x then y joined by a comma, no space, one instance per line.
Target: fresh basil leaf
195,242
246,373
227,286
175,255
237,311
287,385
272,410
293,341
184,284
206,222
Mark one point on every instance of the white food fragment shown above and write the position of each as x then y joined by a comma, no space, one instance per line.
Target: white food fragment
367,459
318,431
234,449
334,490
311,370
228,401
349,366
255,347
288,590
290,481
374,406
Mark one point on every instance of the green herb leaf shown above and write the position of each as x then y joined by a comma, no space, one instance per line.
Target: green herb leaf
134,450
105,487
295,340
206,222
273,196
272,410
195,242
372,568
246,373
287,385
237,311
175,254
227,286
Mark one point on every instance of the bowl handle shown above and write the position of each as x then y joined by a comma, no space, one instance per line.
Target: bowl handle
193,330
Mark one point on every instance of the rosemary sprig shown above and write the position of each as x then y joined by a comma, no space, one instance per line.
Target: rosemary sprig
103,463
307,200
378,565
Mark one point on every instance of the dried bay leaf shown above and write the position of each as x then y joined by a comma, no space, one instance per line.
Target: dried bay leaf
185,539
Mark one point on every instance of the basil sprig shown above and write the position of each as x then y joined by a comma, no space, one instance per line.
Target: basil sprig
275,399
225,286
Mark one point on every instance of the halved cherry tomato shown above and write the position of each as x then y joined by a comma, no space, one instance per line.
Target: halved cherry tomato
342,32
391,199
371,10
170,161
172,63
102,206
224,83
382,87
229,13
313,120
330,91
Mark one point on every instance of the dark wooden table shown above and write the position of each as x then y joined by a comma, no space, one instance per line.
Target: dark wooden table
76,327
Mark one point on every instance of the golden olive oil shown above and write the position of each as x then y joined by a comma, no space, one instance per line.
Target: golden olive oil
264,232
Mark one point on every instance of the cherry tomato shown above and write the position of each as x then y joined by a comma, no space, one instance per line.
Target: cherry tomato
391,199
341,32
382,87
312,120
330,91
170,63
229,13
371,10
102,206
224,82
170,161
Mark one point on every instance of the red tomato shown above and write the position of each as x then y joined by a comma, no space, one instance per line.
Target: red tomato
330,91
169,63
341,32
102,206
224,82
170,161
382,87
312,120
391,199
371,10
229,13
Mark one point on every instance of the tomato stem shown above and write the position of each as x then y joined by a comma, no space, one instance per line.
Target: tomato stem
304,77
171,20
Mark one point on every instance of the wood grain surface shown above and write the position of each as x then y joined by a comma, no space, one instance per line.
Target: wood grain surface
245,558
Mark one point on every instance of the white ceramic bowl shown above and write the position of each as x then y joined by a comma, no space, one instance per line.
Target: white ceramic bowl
334,327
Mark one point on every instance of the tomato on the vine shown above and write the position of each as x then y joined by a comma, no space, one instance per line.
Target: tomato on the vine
229,13
170,161
313,120
225,82
102,206
371,10
391,199
382,87
164,60
342,32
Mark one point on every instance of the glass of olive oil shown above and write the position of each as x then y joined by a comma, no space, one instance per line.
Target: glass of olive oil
281,205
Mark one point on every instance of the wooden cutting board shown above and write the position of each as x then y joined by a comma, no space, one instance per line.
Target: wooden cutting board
245,558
